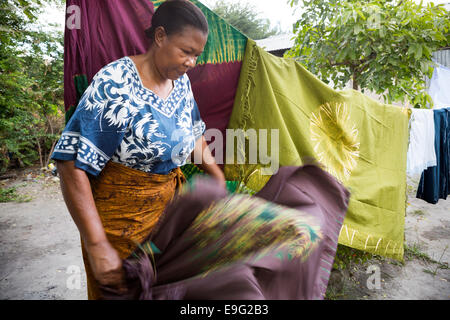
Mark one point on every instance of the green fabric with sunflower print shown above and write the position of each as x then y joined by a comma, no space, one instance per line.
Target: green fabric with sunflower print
362,142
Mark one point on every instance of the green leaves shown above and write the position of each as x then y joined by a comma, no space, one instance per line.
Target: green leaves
359,13
417,51
244,17
31,85
378,43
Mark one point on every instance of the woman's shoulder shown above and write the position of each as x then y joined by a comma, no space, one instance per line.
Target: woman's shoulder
116,70
110,82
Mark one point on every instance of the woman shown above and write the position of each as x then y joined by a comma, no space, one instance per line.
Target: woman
135,125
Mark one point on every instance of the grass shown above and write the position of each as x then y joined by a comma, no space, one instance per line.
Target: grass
348,260
417,212
346,257
440,265
415,251
335,294
10,194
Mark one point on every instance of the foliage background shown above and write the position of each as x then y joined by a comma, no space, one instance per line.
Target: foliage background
244,17
31,84
384,46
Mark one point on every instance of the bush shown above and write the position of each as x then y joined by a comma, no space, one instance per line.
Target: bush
31,87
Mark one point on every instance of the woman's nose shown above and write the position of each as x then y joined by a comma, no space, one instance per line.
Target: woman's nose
190,62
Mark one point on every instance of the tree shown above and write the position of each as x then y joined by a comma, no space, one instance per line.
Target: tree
384,46
31,85
244,17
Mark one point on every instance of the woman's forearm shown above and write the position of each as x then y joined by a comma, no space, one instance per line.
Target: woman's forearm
104,260
208,163
77,193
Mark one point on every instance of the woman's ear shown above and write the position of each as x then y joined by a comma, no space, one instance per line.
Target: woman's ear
160,36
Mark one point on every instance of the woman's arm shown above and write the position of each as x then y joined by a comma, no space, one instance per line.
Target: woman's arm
104,259
208,163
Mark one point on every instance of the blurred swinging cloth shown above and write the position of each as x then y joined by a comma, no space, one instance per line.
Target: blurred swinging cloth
279,244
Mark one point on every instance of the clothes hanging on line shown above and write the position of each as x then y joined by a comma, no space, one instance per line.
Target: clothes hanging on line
434,182
360,141
421,153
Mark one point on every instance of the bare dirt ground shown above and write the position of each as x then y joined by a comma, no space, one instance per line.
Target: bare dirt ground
40,252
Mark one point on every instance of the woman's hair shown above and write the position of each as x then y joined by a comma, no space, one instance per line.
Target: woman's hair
174,15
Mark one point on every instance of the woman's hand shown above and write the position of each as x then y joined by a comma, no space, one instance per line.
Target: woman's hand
208,163
106,265
218,175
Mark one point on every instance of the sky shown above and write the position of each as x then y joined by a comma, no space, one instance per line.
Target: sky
52,15
279,15
279,12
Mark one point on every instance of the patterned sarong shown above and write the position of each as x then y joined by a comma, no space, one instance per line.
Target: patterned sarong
129,203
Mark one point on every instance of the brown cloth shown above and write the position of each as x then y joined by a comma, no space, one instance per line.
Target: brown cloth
278,245
129,203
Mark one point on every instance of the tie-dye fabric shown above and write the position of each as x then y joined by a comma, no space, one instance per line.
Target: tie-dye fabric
362,142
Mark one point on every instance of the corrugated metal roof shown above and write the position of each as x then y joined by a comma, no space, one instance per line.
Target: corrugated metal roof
278,42
442,57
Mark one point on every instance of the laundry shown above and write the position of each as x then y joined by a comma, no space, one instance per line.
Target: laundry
434,182
421,151
360,141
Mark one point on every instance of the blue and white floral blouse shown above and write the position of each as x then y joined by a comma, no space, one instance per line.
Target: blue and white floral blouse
119,119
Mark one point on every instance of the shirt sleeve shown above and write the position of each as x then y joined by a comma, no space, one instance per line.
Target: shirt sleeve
198,125
98,124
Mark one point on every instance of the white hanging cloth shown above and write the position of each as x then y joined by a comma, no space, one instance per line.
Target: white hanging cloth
421,153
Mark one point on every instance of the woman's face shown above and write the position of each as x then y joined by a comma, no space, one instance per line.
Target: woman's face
178,52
